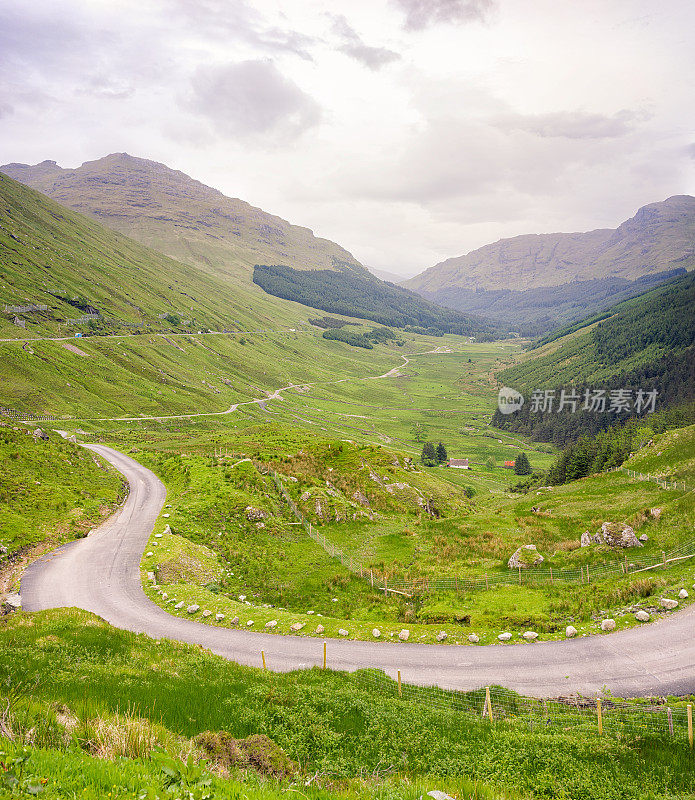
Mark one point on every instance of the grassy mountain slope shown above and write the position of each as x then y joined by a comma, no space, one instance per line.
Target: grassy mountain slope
639,331
53,256
50,490
181,217
646,344
540,279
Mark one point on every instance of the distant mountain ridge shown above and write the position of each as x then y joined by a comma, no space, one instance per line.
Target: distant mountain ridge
559,277
171,212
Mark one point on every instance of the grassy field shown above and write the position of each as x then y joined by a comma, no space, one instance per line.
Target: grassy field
50,492
93,702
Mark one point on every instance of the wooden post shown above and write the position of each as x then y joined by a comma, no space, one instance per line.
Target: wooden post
600,716
456,585
690,725
400,690
488,703
263,657
386,586
663,555
627,569
324,655
551,576
487,585
669,715
371,577
519,575
587,573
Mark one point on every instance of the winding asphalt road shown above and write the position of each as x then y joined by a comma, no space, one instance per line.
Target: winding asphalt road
101,574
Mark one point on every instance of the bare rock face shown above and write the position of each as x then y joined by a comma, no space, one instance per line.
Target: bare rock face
360,498
586,539
617,534
525,557
255,514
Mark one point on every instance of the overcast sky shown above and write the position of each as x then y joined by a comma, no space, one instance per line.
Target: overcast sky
406,130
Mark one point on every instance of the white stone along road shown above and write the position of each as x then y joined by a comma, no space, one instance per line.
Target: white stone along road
101,574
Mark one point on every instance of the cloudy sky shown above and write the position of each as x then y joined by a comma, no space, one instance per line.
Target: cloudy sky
406,130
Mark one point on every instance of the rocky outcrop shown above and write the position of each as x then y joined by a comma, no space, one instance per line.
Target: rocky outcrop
612,534
525,557
255,514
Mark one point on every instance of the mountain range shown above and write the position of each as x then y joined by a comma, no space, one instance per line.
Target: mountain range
171,212
547,279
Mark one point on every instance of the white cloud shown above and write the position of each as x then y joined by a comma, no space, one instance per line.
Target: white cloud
252,98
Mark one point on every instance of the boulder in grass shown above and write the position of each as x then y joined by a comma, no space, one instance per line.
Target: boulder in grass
207,613
655,513
644,538
530,636
320,629
297,626
193,609
617,534
608,625
404,635
586,539
570,631
435,794
376,633
232,621
441,636
180,604
343,632
255,514
683,594
473,639
271,623
525,557
504,637
642,616
668,603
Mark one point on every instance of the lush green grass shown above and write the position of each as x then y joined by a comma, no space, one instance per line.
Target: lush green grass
50,490
339,728
283,574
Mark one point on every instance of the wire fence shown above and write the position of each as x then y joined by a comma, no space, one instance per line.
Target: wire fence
640,476
605,716
535,576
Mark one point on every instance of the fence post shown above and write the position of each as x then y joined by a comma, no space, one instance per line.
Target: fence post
669,716
587,573
487,585
386,586
600,716
663,554
263,657
690,725
400,690
488,703
324,655
371,577
519,575
627,568
551,576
